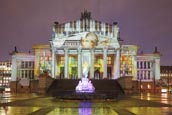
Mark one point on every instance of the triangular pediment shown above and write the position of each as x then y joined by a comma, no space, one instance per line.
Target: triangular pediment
86,40
85,29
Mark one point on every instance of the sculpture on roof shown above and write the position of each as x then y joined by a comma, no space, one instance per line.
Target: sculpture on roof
14,51
85,15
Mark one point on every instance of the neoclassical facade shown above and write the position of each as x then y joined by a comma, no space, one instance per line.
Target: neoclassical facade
95,45
22,66
85,43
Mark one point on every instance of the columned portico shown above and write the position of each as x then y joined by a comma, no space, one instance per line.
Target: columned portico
91,56
87,44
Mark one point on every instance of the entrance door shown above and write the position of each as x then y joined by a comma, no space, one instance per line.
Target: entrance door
97,73
74,72
61,72
109,72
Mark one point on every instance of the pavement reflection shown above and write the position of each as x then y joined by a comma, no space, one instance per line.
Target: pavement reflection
82,111
33,104
17,110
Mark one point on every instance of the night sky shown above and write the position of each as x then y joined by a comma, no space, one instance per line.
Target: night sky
147,23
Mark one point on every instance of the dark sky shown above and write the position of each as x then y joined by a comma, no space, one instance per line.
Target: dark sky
147,23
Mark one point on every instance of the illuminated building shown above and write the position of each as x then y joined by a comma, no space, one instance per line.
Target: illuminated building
42,59
93,44
148,71
166,77
87,42
5,73
22,66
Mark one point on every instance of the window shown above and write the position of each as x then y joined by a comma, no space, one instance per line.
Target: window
149,86
22,64
148,75
26,69
141,75
73,60
61,60
144,65
145,74
138,73
148,65
109,60
141,66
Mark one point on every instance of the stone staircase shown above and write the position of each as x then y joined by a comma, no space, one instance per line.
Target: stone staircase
65,88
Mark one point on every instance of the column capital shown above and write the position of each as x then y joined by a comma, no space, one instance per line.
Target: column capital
79,50
66,48
92,49
105,48
53,49
117,49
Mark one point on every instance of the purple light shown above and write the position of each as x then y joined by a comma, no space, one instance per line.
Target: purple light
85,108
84,86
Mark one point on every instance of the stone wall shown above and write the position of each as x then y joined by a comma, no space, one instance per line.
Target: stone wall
126,84
44,83
16,87
134,87
35,86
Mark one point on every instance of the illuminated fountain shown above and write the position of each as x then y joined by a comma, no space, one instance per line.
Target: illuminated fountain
85,85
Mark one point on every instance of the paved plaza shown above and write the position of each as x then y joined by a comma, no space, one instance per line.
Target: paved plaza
33,104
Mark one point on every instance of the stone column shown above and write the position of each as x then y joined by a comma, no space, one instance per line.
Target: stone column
92,64
117,68
143,74
79,63
151,74
157,68
105,62
146,64
139,65
147,74
66,63
53,61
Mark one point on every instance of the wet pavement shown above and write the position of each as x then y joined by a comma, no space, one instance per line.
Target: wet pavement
33,104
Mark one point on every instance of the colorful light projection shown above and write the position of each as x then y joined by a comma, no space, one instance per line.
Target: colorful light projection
73,69
91,40
99,65
126,65
45,61
86,60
